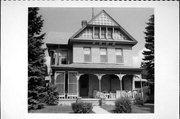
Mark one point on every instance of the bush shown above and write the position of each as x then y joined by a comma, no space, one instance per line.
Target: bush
81,107
123,105
34,104
52,94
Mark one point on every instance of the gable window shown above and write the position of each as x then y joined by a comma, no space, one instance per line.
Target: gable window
109,34
103,33
103,55
87,54
96,33
119,55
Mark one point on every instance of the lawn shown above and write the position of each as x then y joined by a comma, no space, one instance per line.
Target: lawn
135,108
54,109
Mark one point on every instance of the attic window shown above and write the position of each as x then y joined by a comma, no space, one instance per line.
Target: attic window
103,33
96,33
109,34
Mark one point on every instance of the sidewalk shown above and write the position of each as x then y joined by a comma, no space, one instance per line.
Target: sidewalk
99,110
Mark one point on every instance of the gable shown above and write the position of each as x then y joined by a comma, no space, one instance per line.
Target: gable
103,19
87,33
103,27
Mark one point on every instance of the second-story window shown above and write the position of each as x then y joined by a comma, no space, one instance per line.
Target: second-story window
64,57
103,55
96,33
52,56
87,54
119,55
103,33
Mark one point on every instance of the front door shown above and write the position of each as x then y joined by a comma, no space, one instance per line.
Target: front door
84,86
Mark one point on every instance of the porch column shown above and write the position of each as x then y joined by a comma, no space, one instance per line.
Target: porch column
120,78
78,77
140,77
99,78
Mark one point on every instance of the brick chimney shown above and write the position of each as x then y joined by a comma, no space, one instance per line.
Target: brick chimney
83,23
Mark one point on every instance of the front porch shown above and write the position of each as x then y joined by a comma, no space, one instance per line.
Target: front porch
93,83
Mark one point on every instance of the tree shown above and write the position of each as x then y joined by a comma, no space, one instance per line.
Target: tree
36,60
148,60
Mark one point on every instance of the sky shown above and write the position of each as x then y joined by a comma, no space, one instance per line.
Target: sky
68,20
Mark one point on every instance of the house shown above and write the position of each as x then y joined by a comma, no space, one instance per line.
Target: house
97,58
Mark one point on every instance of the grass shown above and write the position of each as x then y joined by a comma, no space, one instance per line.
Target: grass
135,108
54,109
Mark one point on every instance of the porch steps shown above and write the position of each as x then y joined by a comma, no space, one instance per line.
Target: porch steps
95,102
99,110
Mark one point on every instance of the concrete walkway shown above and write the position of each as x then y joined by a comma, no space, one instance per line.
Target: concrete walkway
99,110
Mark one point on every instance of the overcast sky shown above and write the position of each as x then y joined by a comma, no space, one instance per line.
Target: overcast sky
68,20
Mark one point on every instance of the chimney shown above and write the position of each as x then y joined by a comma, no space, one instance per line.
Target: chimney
83,23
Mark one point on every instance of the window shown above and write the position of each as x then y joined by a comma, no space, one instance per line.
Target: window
63,57
96,33
109,34
51,54
60,82
103,33
87,54
103,55
119,55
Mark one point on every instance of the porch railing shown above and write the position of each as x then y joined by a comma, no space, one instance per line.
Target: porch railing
106,95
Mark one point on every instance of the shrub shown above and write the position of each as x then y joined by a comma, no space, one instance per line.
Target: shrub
52,94
34,104
123,105
81,107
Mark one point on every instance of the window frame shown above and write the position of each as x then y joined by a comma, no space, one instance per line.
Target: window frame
106,60
56,75
90,54
121,56
103,33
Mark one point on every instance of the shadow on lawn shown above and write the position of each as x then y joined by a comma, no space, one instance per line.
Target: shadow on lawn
135,108
56,109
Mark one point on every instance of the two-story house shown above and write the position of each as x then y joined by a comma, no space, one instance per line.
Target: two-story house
98,57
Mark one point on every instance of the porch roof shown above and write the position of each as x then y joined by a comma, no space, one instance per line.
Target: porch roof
96,66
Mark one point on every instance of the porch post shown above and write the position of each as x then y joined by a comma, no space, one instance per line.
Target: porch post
99,78
120,78
133,83
141,86
78,77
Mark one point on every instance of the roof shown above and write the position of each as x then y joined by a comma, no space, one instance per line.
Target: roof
57,37
96,66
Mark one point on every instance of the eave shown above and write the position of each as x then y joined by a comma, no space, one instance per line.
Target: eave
99,42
